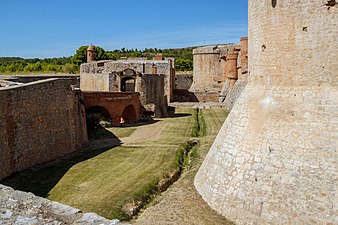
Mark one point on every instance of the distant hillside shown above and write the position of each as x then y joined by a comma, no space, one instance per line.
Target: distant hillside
15,65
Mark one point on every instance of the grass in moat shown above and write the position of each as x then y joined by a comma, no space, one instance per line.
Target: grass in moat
181,204
104,180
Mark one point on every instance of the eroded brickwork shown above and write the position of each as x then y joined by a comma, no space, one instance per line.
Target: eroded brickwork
40,121
275,159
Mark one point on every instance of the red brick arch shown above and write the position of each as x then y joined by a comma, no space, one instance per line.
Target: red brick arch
120,106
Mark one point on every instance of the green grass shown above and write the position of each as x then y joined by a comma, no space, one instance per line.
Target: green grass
104,180
211,122
103,184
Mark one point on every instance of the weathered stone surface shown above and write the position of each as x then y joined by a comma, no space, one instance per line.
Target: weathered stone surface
275,158
21,208
40,121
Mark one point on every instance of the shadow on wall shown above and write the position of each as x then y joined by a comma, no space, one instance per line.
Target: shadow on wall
173,114
42,178
183,95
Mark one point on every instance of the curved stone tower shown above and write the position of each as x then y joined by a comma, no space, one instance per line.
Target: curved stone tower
275,159
90,53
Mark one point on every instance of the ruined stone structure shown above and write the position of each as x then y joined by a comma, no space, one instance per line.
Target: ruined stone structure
153,79
275,159
37,127
117,107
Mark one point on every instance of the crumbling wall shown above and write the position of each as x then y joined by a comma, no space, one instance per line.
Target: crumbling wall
40,121
274,160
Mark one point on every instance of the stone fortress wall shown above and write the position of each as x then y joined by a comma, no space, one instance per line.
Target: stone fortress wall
209,72
153,79
220,74
275,159
104,75
40,121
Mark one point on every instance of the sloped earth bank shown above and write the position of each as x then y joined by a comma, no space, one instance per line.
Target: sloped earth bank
181,204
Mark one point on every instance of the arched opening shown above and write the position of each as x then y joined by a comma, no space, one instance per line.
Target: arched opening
98,116
128,115
128,84
98,120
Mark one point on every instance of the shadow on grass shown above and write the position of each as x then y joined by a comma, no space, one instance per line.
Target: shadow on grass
42,178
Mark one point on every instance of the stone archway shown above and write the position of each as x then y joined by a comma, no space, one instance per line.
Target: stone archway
128,79
128,84
129,115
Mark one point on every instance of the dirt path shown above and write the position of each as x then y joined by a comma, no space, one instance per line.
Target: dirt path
181,204
149,131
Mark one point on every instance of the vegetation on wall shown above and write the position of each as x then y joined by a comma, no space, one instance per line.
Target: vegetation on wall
71,65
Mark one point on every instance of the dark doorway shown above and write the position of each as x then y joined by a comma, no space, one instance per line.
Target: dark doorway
128,84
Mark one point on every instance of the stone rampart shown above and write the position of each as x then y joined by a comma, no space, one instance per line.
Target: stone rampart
40,121
275,159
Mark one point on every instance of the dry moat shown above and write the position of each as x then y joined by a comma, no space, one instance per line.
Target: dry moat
124,170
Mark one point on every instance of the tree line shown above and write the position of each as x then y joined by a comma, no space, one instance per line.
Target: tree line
71,65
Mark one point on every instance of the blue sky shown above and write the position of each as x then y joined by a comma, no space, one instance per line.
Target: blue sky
56,28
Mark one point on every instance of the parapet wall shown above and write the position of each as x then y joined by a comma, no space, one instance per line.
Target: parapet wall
274,160
40,121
